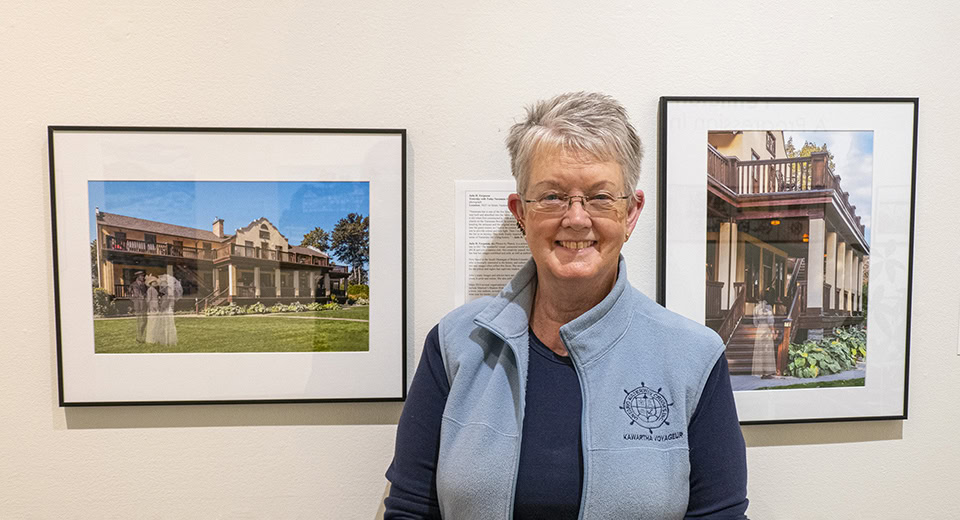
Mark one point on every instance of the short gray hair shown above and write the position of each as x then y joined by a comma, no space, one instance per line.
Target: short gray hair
581,122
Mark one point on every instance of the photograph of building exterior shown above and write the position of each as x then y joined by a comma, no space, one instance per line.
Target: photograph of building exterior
163,283
787,257
255,263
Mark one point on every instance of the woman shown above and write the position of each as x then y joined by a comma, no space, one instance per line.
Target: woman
570,394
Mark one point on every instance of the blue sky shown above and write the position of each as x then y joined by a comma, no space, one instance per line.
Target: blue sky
294,207
853,155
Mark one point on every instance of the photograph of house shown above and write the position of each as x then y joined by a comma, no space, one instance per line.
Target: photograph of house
254,263
164,283
787,257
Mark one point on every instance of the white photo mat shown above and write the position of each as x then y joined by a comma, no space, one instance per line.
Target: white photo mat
684,126
79,155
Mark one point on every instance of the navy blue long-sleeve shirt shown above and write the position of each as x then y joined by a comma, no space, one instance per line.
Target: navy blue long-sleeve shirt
550,474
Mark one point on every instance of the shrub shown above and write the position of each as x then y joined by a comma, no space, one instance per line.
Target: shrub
278,307
828,356
358,291
855,338
314,306
296,307
362,301
331,306
225,310
103,304
257,308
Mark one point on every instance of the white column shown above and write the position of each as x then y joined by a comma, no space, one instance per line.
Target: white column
313,285
831,268
232,271
256,281
727,265
326,284
815,264
216,280
848,277
860,285
276,280
170,269
296,283
841,256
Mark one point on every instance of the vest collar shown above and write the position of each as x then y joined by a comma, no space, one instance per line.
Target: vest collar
587,337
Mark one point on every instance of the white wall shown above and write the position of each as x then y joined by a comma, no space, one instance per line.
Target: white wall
456,77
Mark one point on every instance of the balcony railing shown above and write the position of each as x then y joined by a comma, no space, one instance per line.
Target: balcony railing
272,254
778,176
158,248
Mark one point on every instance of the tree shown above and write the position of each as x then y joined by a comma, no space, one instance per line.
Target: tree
94,272
351,243
807,149
318,238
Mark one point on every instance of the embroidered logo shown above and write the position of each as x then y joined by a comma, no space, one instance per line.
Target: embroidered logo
646,407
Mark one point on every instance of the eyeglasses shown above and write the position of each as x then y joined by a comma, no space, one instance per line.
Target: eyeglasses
597,205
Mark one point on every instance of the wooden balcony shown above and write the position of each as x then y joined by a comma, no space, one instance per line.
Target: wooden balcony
275,256
158,249
768,176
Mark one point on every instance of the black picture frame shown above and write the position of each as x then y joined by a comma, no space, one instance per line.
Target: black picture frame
718,205
371,162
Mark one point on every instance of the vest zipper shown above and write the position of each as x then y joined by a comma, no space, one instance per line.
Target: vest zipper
583,422
523,405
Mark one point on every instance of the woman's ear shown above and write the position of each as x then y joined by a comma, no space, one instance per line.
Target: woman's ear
633,212
515,204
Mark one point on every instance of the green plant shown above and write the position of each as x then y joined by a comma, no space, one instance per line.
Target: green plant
278,307
225,310
358,291
855,339
296,307
103,304
361,301
331,306
829,355
257,308
314,306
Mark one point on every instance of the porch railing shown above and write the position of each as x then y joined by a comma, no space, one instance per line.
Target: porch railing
734,315
798,290
158,248
279,256
778,175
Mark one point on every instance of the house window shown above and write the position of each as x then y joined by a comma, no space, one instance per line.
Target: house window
772,144
265,235
149,239
754,156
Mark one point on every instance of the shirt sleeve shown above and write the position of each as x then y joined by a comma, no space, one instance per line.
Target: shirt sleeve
718,458
412,474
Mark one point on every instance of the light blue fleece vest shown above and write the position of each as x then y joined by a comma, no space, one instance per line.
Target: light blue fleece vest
641,369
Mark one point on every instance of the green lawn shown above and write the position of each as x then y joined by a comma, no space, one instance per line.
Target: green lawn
282,332
822,384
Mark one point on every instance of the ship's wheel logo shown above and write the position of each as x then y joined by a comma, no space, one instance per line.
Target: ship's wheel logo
646,407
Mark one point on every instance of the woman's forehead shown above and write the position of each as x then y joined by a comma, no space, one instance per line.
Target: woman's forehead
563,169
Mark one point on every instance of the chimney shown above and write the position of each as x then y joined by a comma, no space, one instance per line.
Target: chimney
99,215
218,227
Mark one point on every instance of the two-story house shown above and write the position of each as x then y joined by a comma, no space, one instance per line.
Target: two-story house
255,263
782,236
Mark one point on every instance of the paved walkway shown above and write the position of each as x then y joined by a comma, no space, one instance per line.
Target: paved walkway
755,382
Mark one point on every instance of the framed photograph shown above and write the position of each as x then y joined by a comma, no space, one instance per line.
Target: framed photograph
228,265
786,226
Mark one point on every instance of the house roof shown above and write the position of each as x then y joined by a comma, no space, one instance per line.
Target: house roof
151,226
